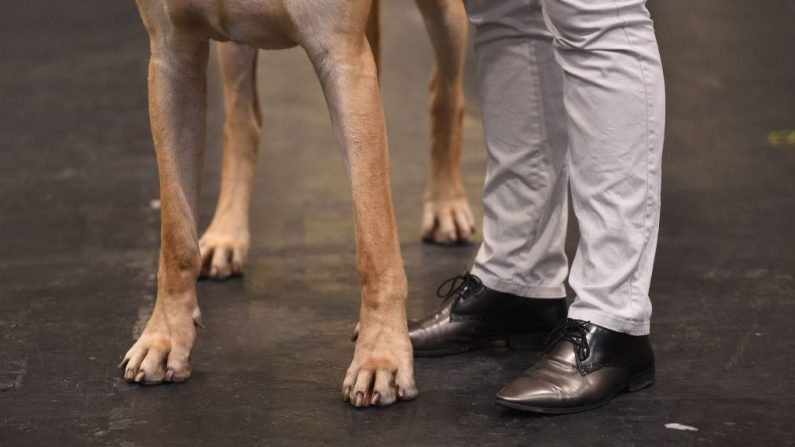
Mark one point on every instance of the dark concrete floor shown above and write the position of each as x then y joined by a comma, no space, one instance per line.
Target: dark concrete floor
79,238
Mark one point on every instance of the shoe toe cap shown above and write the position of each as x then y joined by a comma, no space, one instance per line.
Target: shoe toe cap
529,390
417,337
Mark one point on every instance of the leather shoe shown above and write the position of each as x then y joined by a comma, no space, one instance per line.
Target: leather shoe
473,314
585,367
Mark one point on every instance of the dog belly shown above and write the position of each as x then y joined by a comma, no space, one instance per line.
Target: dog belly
264,24
270,24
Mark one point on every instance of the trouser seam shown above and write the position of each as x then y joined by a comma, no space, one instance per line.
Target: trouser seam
535,90
646,207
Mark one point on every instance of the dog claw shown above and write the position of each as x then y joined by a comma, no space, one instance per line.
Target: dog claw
376,397
169,375
197,320
355,335
359,399
346,393
140,376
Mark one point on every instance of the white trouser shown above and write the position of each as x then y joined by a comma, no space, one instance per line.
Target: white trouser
572,93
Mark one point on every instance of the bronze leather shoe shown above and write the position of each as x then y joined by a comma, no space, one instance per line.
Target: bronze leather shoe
585,367
472,315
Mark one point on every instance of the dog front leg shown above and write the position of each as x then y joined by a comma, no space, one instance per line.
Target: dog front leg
224,246
447,216
382,368
177,103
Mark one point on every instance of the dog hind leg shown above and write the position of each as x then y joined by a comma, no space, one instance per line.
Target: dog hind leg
447,217
224,246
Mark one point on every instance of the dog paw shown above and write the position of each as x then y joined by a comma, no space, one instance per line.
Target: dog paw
223,252
162,352
381,373
447,221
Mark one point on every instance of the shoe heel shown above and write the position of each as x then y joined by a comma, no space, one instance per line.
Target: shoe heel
526,342
641,381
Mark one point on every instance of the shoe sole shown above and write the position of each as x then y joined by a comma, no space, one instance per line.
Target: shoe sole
519,342
638,382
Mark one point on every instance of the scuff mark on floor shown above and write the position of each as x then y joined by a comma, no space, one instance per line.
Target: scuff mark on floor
740,351
144,311
681,427
738,354
12,378
717,274
756,273
119,419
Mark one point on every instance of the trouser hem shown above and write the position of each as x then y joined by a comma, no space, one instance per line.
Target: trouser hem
523,290
611,322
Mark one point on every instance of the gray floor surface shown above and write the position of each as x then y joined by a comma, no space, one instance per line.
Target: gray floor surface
79,241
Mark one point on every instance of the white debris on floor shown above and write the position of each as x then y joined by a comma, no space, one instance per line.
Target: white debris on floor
677,426
154,204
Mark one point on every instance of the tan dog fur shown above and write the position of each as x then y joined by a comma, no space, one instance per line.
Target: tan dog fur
332,33
447,217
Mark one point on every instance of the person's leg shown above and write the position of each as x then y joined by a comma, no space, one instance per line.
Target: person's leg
522,257
525,195
615,100
614,97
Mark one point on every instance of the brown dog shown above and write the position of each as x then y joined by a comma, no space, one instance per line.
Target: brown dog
447,217
332,33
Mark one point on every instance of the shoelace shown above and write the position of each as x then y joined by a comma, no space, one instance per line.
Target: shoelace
458,285
574,331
